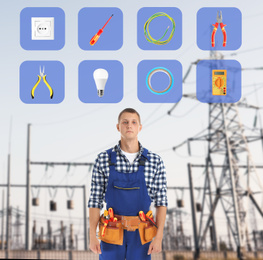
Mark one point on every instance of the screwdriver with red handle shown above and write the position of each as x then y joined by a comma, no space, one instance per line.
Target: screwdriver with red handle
105,222
149,216
95,38
142,216
111,214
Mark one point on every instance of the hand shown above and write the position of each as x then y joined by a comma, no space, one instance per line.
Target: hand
94,245
156,246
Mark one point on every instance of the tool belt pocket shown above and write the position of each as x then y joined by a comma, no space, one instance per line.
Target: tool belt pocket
147,232
113,232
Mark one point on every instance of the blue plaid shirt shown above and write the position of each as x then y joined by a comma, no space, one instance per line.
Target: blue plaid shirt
154,172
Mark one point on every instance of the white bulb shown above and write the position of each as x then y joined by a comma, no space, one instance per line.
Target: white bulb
100,76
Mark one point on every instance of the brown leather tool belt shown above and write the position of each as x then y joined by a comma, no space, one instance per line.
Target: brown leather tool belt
130,223
114,230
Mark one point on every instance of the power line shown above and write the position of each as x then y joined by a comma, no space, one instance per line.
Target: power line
72,118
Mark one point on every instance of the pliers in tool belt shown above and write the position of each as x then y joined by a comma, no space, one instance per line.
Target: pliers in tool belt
42,75
219,21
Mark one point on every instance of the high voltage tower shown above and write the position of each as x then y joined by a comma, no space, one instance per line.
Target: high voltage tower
226,180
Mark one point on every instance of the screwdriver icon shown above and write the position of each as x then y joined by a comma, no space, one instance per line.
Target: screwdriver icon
95,38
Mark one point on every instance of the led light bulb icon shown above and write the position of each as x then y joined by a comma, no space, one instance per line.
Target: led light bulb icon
100,76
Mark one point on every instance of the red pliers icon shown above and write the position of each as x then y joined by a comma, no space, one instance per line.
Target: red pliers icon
218,21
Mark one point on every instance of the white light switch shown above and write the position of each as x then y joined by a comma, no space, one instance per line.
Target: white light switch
42,28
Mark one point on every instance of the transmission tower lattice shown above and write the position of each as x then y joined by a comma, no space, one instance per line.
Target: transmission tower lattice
231,186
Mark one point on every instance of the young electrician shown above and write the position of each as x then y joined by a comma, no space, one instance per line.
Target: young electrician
128,178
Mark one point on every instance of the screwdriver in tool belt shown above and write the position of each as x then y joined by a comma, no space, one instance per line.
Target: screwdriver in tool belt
105,221
95,38
149,216
111,214
142,216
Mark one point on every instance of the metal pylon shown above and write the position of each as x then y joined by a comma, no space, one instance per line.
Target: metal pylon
231,184
227,139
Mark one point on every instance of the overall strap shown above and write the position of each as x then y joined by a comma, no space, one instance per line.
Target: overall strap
143,158
112,157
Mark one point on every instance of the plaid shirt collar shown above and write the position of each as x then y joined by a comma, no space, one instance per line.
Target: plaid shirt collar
117,149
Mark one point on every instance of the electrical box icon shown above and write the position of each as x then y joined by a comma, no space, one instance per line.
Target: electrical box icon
219,79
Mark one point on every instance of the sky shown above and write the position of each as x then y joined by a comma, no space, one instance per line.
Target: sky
73,131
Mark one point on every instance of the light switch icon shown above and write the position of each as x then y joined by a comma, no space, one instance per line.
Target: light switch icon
42,28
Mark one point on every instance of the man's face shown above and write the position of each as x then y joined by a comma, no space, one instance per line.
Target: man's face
129,125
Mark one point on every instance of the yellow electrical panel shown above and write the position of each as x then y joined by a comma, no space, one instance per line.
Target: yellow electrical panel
219,82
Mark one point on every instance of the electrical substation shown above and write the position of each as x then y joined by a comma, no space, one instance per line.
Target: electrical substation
231,193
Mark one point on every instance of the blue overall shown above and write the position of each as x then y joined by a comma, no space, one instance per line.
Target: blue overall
127,194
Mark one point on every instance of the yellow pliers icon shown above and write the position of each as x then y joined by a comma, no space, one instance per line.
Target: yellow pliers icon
42,75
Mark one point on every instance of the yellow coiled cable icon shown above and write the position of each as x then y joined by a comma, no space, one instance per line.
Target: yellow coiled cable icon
40,76
147,34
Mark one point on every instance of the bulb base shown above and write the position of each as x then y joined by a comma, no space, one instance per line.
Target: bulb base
100,93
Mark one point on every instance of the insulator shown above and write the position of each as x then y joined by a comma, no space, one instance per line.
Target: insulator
70,204
180,203
35,201
53,205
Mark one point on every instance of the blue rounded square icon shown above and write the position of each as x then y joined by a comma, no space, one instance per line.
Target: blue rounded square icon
159,28
42,82
100,81
159,81
42,28
219,28
100,28
218,81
